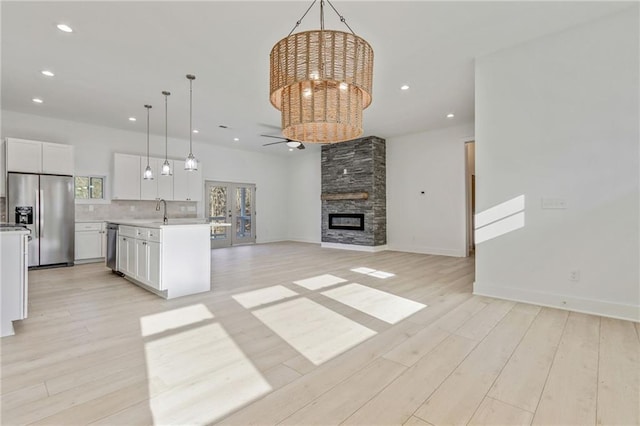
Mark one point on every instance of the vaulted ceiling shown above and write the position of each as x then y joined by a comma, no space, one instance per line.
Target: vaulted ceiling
122,55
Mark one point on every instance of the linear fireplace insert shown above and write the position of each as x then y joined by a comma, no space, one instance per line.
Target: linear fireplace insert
352,221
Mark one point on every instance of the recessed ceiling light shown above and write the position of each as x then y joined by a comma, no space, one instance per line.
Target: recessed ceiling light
236,139
196,131
47,73
290,149
404,87
132,119
37,100
450,115
65,28
343,86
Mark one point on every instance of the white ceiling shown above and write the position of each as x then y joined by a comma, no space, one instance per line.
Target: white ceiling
122,55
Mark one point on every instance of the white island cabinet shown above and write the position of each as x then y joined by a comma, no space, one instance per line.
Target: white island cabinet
170,260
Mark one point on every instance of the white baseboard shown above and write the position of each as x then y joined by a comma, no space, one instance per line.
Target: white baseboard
560,301
428,250
355,247
303,240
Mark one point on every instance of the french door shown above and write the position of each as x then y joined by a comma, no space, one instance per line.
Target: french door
231,208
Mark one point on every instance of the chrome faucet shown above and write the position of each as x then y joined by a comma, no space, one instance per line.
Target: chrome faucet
165,220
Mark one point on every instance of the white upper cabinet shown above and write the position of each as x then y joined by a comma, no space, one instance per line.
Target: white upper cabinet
24,156
126,177
149,187
165,183
57,159
187,185
128,183
161,186
39,157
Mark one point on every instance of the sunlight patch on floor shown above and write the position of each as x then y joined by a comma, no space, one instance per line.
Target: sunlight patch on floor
380,304
176,318
251,299
208,374
373,272
318,333
320,281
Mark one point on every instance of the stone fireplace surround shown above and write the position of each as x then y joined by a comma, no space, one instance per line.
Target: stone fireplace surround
354,182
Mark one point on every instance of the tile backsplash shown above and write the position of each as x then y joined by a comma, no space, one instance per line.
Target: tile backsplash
134,210
123,210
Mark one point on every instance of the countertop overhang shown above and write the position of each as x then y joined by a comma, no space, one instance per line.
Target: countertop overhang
147,223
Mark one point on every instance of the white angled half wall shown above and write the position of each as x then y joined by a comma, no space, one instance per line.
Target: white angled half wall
557,127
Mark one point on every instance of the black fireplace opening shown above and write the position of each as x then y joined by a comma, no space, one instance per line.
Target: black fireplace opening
351,221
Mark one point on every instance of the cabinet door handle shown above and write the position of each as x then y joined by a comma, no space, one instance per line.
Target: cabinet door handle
124,239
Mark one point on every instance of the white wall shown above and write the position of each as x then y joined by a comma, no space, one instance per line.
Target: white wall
558,117
305,207
433,162
95,145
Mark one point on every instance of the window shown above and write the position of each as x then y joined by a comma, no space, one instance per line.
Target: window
89,187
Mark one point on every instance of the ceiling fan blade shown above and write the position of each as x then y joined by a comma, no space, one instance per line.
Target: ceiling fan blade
271,126
274,143
275,137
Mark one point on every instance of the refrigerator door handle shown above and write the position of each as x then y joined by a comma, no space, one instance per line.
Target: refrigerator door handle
41,207
39,217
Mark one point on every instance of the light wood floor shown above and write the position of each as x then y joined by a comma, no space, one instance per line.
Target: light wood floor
99,350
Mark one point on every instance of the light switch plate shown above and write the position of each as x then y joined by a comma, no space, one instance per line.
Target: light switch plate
554,203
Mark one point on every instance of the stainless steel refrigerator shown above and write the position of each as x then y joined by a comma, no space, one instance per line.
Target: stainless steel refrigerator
45,204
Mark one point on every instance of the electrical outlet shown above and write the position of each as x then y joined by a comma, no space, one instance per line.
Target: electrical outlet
574,275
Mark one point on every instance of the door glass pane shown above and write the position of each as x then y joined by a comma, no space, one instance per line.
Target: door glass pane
218,212
243,212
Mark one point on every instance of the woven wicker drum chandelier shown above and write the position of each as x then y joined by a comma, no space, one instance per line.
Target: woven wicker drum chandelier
321,81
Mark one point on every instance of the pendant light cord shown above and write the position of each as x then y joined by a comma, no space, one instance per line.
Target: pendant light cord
191,78
342,19
148,107
166,125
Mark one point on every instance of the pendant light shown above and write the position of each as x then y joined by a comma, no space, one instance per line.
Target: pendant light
190,164
166,167
148,174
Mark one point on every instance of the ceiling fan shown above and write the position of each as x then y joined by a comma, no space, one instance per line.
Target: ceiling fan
290,143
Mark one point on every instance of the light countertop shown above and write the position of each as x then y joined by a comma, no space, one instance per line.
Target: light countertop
151,223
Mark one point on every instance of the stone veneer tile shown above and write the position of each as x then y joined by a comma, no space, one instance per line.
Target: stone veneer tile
365,162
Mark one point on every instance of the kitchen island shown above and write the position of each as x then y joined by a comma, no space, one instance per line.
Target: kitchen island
170,260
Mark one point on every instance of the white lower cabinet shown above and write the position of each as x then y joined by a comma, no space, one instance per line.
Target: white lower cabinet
90,238
126,255
139,255
148,263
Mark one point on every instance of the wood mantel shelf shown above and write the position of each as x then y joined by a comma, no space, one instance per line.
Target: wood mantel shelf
345,196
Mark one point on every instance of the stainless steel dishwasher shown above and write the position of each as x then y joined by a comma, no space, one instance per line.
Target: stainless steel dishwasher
112,247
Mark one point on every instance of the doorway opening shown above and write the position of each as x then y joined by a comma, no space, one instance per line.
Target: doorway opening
231,208
470,185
